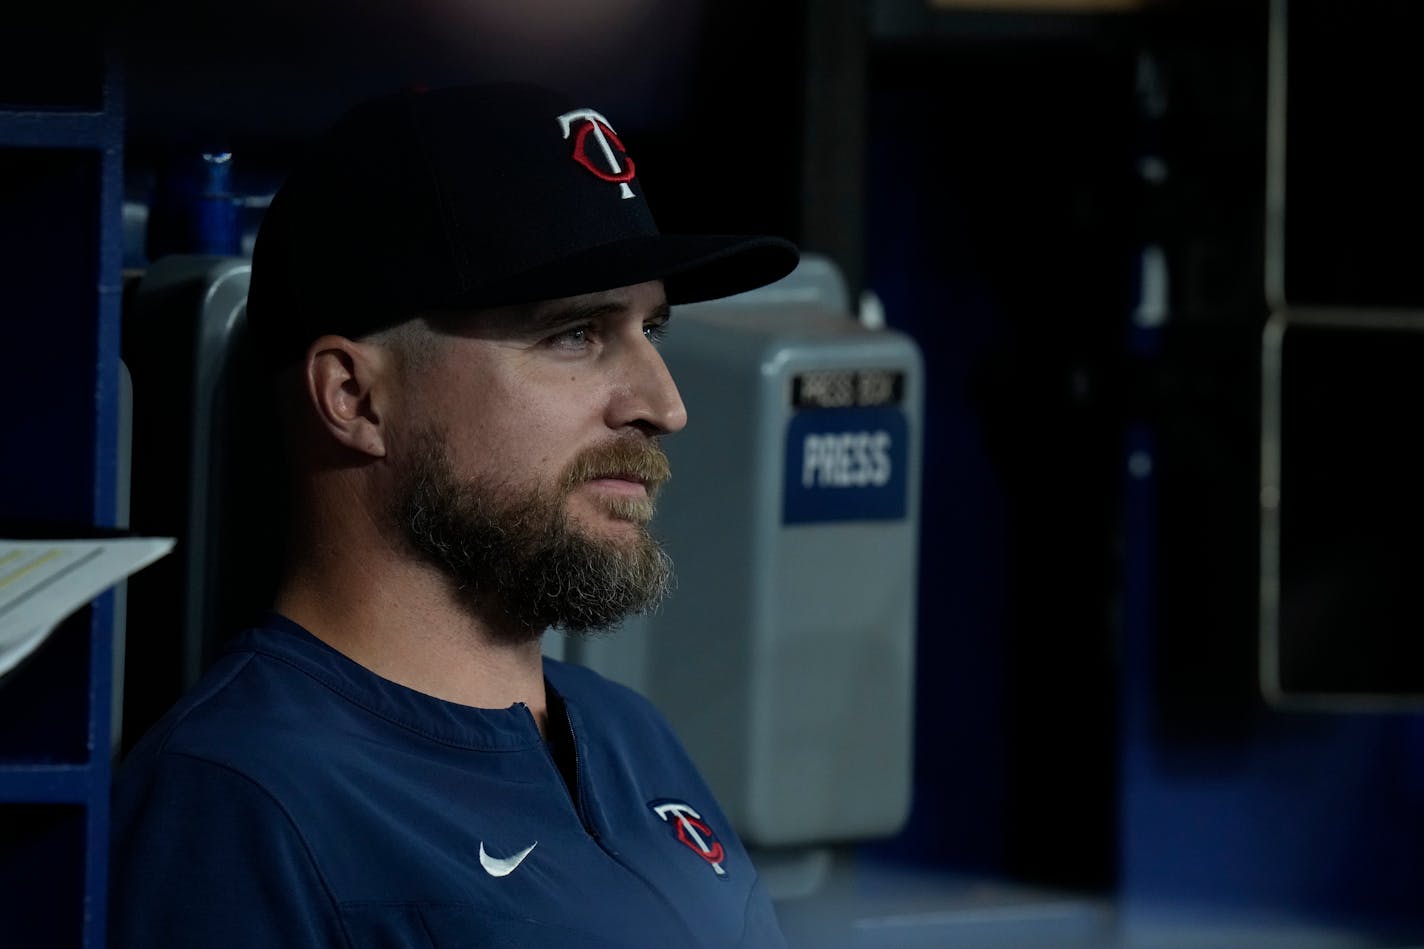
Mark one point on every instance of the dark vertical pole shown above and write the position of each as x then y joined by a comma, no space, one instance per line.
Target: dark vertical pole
833,134
103,631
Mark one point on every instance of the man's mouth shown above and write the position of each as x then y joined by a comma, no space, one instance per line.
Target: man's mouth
621,483
625,468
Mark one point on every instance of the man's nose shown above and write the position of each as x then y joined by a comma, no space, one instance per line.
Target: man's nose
649,399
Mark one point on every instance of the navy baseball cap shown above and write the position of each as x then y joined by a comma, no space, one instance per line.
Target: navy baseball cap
470,197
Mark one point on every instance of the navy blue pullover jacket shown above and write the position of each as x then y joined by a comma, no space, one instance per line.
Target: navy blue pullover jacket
294,798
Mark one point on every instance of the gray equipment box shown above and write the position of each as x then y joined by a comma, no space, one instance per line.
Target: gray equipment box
784,658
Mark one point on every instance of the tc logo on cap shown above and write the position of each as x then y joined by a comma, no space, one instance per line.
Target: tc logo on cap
597,126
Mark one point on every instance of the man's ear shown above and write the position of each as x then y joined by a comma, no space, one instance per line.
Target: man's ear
348,385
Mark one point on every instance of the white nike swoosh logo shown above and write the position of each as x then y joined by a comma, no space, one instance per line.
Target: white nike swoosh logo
503,866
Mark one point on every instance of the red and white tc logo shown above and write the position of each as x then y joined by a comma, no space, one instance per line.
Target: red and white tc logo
592,125
692,832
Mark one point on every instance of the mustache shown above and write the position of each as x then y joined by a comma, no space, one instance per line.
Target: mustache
640,460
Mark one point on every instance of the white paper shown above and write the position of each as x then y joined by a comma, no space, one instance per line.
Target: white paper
43,581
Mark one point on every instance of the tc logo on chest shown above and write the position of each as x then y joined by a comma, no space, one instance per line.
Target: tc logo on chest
691,831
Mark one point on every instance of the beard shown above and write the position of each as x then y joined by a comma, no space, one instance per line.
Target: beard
515,551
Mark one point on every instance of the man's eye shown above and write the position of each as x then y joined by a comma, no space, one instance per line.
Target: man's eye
572,338
655,332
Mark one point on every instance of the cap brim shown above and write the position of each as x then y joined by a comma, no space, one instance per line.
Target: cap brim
693,268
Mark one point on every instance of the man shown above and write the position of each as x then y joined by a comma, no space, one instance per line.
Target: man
460,295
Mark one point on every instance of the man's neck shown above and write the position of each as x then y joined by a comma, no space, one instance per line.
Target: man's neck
401,619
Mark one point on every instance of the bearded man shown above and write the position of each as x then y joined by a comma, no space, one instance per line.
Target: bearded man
460,296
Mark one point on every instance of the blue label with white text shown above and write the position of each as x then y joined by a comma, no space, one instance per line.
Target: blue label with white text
845,465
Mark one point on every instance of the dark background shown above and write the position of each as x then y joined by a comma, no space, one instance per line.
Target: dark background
1089,714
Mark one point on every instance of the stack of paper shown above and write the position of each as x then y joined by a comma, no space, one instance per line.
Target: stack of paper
43,581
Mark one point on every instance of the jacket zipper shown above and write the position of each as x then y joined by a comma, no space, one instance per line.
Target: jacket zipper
580,807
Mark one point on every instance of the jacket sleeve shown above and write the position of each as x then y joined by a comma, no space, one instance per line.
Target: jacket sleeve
202,856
